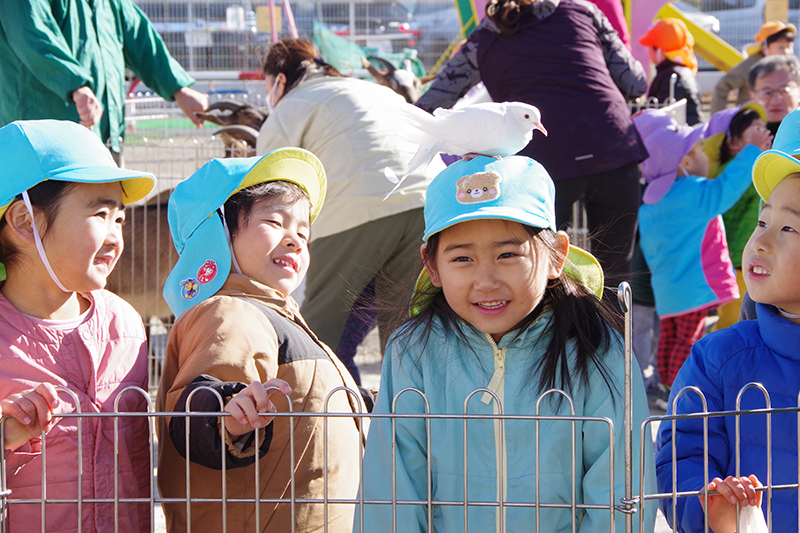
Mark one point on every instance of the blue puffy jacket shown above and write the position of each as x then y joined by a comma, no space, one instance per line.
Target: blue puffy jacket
763,351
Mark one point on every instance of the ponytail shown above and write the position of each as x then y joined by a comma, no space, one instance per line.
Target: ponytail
506,14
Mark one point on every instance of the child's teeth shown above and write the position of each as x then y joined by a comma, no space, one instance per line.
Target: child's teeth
491,305
760,270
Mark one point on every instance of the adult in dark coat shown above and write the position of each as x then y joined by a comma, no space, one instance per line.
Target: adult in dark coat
564,57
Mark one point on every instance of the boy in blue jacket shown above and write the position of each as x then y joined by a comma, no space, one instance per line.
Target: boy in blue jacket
757,351
681,232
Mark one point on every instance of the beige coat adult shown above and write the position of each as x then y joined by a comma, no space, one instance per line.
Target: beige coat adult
229,338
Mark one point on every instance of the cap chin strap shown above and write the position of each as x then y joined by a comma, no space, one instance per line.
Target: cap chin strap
38,241
228,238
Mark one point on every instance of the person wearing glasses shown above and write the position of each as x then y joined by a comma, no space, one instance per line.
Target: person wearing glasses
773,38
775,82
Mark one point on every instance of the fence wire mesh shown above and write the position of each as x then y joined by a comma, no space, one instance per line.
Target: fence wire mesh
76,497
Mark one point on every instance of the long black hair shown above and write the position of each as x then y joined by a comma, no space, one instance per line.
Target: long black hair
578,317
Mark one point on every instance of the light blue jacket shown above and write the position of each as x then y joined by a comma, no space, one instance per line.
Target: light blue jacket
447,371
683,239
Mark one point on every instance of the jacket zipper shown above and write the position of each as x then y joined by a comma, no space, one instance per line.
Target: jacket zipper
496,385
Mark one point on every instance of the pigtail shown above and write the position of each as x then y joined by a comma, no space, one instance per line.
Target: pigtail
577,317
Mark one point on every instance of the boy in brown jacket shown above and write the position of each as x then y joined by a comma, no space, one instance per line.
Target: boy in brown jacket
241,227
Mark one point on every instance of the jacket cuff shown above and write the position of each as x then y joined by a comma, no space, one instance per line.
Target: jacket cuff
205,444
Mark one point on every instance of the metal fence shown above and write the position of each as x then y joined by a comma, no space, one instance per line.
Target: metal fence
233,35
76,507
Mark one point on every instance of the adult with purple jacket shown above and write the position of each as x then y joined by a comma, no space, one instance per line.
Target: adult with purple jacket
564,57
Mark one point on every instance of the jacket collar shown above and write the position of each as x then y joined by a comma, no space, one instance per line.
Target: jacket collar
244,286
780,335
42,333
534,333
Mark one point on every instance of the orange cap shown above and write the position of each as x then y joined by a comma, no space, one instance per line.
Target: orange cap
772,27
668,34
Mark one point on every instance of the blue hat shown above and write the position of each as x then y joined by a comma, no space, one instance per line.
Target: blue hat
197,227
34,151
514,188
773,165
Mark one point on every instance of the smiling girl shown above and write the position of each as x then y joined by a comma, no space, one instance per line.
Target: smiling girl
501,304
61,215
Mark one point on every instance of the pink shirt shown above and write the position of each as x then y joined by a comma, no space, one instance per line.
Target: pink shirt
95,356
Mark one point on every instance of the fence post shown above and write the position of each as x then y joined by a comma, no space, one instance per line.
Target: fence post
625,302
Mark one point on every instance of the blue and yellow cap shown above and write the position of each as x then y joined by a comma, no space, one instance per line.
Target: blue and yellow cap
197,227
34,151
514,188
773,165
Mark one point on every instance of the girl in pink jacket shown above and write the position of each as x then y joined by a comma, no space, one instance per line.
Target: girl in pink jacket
61,213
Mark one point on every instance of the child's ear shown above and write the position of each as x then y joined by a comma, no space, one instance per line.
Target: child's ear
561,245
430,267
18,221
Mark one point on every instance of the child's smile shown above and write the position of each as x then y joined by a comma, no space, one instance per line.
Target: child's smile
492,272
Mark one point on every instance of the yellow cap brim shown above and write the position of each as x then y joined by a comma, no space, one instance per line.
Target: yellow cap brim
770,169
294,165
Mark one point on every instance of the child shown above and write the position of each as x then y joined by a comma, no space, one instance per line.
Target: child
500,304
728,132
762,351
670,48
682,237
61,214
241,227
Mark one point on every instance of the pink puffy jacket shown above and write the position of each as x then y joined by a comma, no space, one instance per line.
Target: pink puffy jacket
97,359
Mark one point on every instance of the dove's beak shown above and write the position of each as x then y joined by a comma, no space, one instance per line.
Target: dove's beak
539,126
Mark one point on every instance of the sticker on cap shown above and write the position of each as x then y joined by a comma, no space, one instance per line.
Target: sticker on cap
189,289
478,188
207,272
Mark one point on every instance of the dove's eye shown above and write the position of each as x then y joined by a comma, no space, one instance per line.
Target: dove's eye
527,116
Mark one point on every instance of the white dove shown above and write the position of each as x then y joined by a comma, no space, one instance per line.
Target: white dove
488,128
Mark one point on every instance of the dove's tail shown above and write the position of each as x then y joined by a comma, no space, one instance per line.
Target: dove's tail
422,120
391,176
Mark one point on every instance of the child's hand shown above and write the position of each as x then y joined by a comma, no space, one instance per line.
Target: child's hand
28,413
758,136
247,403
722,507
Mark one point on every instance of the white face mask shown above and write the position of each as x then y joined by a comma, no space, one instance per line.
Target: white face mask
271,96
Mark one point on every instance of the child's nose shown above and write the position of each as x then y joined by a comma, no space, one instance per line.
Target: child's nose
486,280
294,242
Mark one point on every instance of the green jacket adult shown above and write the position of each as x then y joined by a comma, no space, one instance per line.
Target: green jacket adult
49,48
